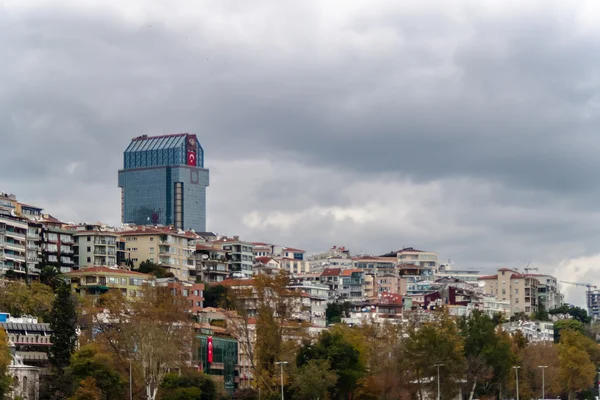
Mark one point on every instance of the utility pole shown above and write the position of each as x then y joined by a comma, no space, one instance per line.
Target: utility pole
517,373
438,380
543,367
281,366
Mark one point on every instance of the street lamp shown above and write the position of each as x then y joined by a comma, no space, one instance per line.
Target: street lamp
280,363
517,373
543,367
438,380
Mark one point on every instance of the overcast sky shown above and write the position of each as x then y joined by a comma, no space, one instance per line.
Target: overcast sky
468,128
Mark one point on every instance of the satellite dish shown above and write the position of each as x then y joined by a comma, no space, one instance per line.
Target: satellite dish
481,284
205,256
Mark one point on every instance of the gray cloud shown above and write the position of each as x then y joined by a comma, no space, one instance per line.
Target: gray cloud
461,127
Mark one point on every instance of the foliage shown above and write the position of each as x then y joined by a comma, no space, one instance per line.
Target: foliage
153,332
570,324
313,380
577,371
214,295
336,311
542,313
344,359
91,362
190,385
18,299
87,390
245,394
50,275
577,313
268,310
5,359
148,267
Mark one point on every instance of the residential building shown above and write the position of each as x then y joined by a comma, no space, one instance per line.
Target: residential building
534,331
240,255
193,292
409,255
94,281
212,264
13,245
315,299
413,275
33,247
57,247
95,245
548,291
172,249
163,182
378,266
336,257
491,306
521,290
467,275
344,284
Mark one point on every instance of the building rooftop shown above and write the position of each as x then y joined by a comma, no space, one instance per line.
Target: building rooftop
95,270
152,151
158,230
331,272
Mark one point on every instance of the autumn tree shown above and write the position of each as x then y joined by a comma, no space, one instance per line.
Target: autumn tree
5,360
530,375
577,371
267,323
313,380
91,362
18,299
152,330
87,390
434,343
189,385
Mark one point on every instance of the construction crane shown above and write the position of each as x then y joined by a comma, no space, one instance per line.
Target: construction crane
528,268
588,294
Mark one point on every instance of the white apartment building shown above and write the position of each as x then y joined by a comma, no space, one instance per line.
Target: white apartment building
95,246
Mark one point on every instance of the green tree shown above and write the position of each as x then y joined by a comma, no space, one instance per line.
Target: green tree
148,267
91,361
190,385
63,320
577,313
570,324
336,311
344,360
542,314
313,380
50,275
214,295
577,370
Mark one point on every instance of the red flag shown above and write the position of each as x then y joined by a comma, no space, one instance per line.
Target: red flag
191,158
210,349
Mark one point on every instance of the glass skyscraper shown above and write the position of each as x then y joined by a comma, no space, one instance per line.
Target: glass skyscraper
164,182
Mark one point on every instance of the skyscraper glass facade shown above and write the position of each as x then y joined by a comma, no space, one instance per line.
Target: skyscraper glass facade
164,182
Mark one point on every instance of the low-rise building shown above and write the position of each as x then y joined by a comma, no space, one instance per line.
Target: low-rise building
26,378
534,331
30,339
94,281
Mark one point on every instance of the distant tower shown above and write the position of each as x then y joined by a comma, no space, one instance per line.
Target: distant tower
164,182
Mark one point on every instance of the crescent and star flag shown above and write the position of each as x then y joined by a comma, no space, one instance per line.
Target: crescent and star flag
210,349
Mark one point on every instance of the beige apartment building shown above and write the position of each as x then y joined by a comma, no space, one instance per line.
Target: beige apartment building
173,249
520,290
422,258
95,247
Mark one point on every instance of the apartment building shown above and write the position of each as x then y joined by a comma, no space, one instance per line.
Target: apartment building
336,257
378,266
173,249
466,275
421,258
413,275
521,290
13,245
30,338
192,292
240,253
94,245
94,281
57,247
344,283
212,264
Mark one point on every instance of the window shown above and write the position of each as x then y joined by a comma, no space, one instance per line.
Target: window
90,279
152,239
516,291
89,238
134,248
89,259
151,250
517,300
195,293
503,291
185,293
89,249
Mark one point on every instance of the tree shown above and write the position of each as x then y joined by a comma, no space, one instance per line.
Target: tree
530,384
436,342
50,275
577,371
91,362
5,360
214,295
570,324
148,267
87,390
152,330
344,360
577,313
20,299
542,314
190,385
266,324
336,311
313,380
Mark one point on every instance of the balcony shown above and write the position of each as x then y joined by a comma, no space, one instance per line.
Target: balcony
14,257
101,241
15,234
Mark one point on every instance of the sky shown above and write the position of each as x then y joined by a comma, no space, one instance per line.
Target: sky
464,127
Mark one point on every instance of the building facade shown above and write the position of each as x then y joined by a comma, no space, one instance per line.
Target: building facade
163,182
172,249
94,281
212,264
94,246
241,255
